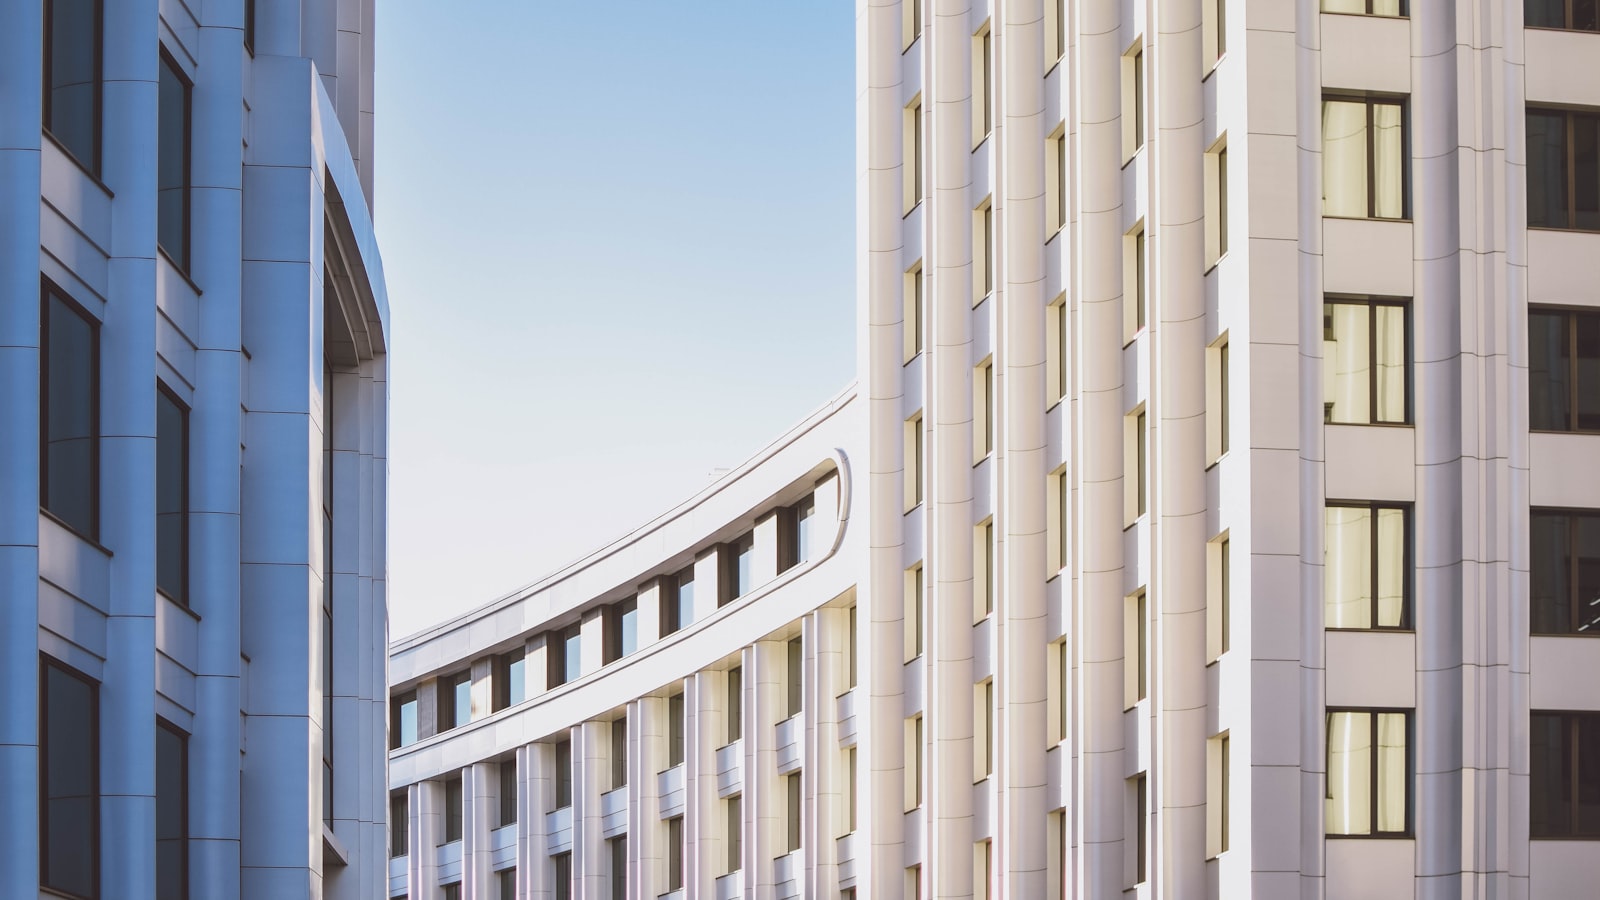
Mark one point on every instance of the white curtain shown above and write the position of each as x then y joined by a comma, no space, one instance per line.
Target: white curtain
1391,771
1347,568
1344,6
1349,800
1391,567
1345,352
1389,356
1386,7
1388,162
1344,158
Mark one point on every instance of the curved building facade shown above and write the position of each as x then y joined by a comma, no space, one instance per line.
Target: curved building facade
194,336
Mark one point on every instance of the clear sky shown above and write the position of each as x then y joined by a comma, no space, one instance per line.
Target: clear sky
619,245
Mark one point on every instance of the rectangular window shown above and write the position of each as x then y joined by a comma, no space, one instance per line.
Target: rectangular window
735,703
1141,464
508,788
914,462
507,882
1057,343
793,809
1141,300
983,714
561,869
983,411
1370,7
1060,665
1219,599
805,528
795,653
1367,566
454,700
1057,507
510,678
914,883
738,569
250,26
675,854
563,774
69,413
452,810
1564,550
850,649
564,648
982,84
1364,150
985,578
1564,770
675,729
910,23
912,614
983,251
1568,15
1217,795
1141,827
1224,373
734,818
1055,181
677,601
1369,773
452,891
1217,203
72,83
621,625
1140,610
617,850
912,164
1563,370
1134,299
912,315
913,765
403,720
619,752
1133,103
399,824
172,163
172,496
850,790
1214,33
1366,361
1217,400
69,781
172,812
1055,32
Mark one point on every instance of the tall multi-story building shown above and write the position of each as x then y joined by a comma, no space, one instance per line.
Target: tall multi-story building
193,413
1225,518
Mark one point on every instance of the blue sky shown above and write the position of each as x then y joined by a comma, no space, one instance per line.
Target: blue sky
619,245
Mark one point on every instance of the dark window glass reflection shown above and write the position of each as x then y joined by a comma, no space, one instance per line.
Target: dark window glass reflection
70,401
1564,555
69,783
172,496
1564,770
172,164
1549,371
72,77
172,813
1547,173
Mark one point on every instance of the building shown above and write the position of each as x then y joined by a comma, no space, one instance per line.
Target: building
1224,519
193,412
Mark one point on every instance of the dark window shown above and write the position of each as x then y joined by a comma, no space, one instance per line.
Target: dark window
850,649
1568,15
454,701
172,813
565,652
172,163
621,629
618,851
403,720
452,891
172,496
798,533
675,729
734,808
795,683
1222,404
1141,613
988,81
72,53
69,781
1563,169
452,810
675,854
1364,151
1140,301
794,807
850,790
562,870
988,249
991,573
735,703
1366,7
1367,566
1226,600
1564,767
510,678
619,753
1369,773
1141,827
1564,549
399,824
508,793
508,883
1222,200
738,568
1138,99
1366,361
69,412
563,754
1563,370
1140,462
677,601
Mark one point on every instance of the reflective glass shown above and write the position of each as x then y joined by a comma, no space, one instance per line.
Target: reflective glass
1547,169
516,678
1549,773
1585,172
1587,549
1347,567
172,465
1587,339
1549,371
70,431
1391,552
1346,351
72,77
172,800
1391,799
1550,599
408,721
1544,14
1344,158
1388,161
172,165
1585,15
1389,363
1349,791
70,788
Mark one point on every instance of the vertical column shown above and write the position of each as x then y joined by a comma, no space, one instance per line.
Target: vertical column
826,644
647,743
648,608
422,853
588,848
763,792
21,68
591,641
537,667
478,795
768,533
707,583
534,762
702,807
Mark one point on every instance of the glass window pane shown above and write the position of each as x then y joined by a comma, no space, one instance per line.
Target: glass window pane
172,165
1391,772
1549,793
172,799
463,693
1544,14
1344,158
72,83
1347,567
1344,6
1547,170
1349,794
1585,172
70,794
1549,371
69,422
574,653
408,722
1388,161
1389,363
171,505
1585,15
1346,353
1386,8
1391,568
1588,572
686,598
1551,588
1587,389
517,678
1588,774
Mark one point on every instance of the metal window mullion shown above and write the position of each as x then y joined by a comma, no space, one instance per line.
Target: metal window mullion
1371,160
1571,169
1372,361
1372,774
1374,550
1572,370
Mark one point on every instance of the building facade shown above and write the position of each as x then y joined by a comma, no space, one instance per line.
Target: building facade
1224,519
193,415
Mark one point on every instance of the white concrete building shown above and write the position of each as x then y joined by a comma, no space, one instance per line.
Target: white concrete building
193,414
1225,517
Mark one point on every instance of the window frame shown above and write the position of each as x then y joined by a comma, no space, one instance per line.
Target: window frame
182,596
1373,834
51,290
1566,17
95,836
1373,302
445,786
507,813
1405,11
185,258
1370,100
1407,563
92,167
183,746
1571,516
400,826
561,790
1570,733
397,705
1569,316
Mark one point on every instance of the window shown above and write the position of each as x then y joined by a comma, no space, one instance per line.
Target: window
452,891
1368,7
675,729
802,531
1563,370
1564,771
910,23
1367,565
172,812
621,624
1140,300
914,460
734,813
795,652
1134,299
563,774
914,883
1214,32
1133,102
172,496
617,850
69,412
850,790
983,713
399,824
452,810
1364,158
677,601
1217,203
510,677
793,809
912,315
675,854
1059,507
1219,414
982,84
507,880
508,793
1366,356
69,781
172,163
561,870
1369,773
1055,32
403,720
912,165
72,45
1563,169
619,752
982,869
1056,176
738,567
983,251
564,648
983,411
1219,599
1057,343
1136,497
1137,648
735,703
850,649
1565,579
1141,826
1055,688
913,611
1568,15
985,578
250,26
913,766
1218,795
454,701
